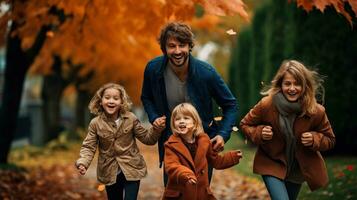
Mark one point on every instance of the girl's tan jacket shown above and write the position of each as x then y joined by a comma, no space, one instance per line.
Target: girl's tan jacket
117,147
180,166
270,157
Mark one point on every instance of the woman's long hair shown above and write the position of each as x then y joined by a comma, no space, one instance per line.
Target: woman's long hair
310,81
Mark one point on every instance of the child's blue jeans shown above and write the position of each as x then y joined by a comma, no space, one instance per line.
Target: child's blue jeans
281,190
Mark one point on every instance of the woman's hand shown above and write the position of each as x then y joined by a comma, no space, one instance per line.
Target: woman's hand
81,169
267,133
307,139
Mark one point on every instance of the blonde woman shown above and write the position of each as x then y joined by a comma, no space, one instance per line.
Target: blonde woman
188,151
114,129
290,129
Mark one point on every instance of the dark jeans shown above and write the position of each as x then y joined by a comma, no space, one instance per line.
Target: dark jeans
281,190
210,172
123,189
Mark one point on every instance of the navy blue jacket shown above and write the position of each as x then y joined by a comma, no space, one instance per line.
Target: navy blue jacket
203,85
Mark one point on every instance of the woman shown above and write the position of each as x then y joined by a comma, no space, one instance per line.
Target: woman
290,129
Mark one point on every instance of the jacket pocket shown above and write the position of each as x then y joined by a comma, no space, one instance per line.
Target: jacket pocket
106,140
137,162
174,194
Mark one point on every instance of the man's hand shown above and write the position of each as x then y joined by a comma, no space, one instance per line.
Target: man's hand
307,139
267,133
218,143
160,123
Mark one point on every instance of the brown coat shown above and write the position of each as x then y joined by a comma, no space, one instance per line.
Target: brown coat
180,166
270,157
117,147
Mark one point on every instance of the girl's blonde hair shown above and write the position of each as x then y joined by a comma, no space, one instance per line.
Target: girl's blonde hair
187,109
310,81
95,106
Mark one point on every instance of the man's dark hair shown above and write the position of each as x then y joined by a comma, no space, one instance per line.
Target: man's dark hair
177,30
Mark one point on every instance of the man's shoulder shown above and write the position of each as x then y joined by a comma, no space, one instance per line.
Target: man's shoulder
202,65
156,61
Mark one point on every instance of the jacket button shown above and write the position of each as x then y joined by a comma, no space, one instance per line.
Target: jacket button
202,171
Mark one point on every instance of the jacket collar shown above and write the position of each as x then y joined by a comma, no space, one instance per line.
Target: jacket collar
191,65
176,142
125,115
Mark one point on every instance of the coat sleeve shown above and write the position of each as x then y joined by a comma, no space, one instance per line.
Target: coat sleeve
89,146
174,169
251,124
225,99
323,136
147,96
147,136
222,161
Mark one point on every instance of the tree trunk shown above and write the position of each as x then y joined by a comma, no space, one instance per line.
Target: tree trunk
18,62
82,113
52,89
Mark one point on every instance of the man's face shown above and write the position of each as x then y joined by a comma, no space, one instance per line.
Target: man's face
177,52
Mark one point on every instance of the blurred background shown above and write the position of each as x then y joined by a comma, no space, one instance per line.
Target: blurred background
54,54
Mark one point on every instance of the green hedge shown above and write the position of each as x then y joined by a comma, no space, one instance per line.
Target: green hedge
325,41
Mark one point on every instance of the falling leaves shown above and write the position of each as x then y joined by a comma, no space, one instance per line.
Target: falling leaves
231,32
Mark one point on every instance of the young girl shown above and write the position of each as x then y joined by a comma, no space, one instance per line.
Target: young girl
290,129
187,154
113,130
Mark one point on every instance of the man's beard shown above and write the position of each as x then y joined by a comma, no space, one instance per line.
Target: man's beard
172,60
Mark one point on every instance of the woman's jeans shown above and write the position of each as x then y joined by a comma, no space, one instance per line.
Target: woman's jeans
123,189
280,189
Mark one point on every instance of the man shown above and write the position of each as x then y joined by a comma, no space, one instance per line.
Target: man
178,77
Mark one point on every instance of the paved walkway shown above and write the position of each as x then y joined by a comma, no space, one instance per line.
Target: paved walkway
226,184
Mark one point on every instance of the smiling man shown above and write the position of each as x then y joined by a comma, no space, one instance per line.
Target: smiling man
178,77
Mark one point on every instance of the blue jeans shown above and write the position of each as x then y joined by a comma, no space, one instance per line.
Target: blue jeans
281,190
123,189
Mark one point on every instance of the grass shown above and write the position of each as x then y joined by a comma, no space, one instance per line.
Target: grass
341,169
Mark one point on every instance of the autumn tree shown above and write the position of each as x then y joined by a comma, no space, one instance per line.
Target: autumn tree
111,38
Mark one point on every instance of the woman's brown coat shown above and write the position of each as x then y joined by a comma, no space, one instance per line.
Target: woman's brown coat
270,157
180,166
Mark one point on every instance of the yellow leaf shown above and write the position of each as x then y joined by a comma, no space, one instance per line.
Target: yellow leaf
231,32
101,187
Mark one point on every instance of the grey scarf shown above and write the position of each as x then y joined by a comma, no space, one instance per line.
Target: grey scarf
287,115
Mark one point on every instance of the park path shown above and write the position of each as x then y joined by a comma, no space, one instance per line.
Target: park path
226,184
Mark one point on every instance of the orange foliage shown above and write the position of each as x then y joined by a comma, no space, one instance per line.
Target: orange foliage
337,4
115,39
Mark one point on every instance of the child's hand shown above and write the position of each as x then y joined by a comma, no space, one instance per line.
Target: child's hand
307,139
239,154
267,133
81,169
192,181
160,123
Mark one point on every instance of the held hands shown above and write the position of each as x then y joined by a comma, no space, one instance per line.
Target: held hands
267,133
307,139
81,169
160,123
218,143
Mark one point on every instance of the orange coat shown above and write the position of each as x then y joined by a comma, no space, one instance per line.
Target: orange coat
180,166
270,158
